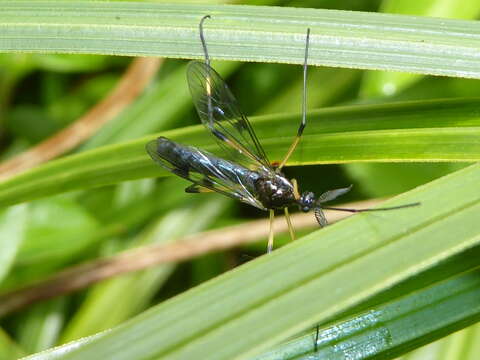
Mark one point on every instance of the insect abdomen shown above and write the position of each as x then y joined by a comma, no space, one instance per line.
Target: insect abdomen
189,159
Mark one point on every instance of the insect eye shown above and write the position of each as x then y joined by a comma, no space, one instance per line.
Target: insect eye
218,110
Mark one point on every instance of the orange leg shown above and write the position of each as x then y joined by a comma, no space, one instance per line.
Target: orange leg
270,234
289,223
296,194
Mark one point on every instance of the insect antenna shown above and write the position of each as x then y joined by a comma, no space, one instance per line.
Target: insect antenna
375,209
333,194
304,108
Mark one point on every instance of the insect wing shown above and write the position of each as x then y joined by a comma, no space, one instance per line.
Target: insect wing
219,111
202,169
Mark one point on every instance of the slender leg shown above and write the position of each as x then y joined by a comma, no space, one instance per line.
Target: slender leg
304,110
270,234
289,223
296,194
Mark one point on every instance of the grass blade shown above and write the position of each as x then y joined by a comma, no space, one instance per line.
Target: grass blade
247,33
393,328
382,83
366,254
13,225
444,130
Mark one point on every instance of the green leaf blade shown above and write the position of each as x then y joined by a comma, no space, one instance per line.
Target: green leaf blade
13,226
392,328
442,130
389,83
339,38
281,295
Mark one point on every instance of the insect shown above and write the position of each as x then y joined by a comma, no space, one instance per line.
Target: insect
244,172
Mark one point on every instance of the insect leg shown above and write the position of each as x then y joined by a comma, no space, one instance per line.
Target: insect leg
270,234
304,109
296,194
289,223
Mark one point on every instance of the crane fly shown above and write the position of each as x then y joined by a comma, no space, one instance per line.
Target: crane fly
244,172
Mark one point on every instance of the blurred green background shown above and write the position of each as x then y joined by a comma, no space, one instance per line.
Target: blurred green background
41,94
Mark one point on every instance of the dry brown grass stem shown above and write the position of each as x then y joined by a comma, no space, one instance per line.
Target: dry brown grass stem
81,276
131,85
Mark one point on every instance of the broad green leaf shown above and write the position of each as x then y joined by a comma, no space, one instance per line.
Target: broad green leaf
247,33
312,280
392,328
445,130
381,83
13,226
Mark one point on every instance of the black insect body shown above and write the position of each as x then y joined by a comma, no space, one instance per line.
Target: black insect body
244,171
275,192
264,189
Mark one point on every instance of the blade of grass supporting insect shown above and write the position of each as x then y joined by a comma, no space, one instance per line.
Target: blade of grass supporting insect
273,297
393,328
443,130
389,83
339,38
13,224
107,305
140,258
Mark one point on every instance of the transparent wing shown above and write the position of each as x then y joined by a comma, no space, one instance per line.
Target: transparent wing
219,111
204,170
332,194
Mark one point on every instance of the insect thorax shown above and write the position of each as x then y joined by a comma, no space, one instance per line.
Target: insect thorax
275,192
